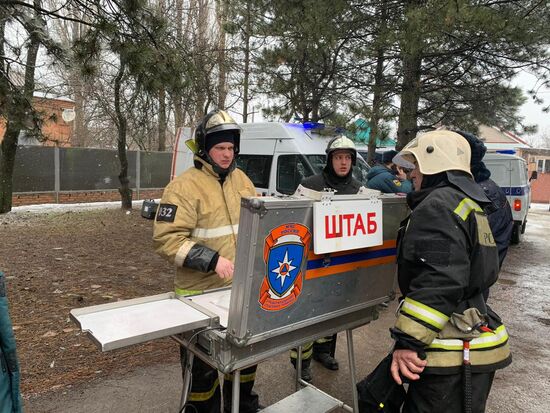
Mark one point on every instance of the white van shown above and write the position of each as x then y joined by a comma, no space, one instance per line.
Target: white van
275,156
510,173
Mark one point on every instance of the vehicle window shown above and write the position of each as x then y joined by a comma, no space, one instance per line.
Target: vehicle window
360,170
257,168
499,173
291,169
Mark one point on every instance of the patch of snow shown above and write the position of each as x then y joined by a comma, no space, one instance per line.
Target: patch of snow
45,208
544,207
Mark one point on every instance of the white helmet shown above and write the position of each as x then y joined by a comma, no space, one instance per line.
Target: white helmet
435,152
342,142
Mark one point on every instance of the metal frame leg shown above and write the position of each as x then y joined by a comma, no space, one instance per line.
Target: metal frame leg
186,378
351,358
298,367
236,391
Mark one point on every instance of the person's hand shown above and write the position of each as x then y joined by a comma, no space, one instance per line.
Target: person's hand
401,175
408,363
224,268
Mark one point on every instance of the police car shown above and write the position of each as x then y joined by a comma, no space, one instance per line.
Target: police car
510,173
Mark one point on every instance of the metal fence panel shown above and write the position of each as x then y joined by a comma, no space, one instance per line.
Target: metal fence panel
155,169
83,169
34,169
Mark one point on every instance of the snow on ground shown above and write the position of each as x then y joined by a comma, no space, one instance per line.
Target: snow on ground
70,207
135,204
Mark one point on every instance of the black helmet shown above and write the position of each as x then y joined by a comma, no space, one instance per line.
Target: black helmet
215,121
341,142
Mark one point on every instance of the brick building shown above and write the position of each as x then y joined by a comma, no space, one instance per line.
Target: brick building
538,160
57,114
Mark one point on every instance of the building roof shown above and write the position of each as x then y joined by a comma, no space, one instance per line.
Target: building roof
498,139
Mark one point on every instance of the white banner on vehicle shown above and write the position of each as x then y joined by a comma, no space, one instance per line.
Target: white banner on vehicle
347,225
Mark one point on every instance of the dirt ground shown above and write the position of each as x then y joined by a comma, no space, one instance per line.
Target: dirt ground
61,260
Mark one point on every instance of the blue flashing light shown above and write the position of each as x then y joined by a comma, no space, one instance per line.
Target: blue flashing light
313,125
506,151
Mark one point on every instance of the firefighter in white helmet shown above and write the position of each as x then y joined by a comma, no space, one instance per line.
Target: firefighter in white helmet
196,230
337,175
448,342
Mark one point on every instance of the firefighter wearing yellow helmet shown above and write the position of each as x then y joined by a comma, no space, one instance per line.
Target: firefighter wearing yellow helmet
448,342
196,230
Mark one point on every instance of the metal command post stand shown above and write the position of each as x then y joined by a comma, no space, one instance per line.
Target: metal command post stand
283,294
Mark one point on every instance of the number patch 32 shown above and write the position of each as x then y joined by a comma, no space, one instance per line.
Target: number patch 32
167,212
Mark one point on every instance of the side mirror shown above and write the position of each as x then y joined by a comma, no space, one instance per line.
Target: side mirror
534,176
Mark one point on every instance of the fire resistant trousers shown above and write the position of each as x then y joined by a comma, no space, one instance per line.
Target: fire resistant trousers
445,393
322,345
205,396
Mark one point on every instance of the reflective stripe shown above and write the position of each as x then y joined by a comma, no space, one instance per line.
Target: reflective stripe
181,255
215,232
477,358
185,293
415,329
245,378
307,351
424,313
465,207
201,397
485,340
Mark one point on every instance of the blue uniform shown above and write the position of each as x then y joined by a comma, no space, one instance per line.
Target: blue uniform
384,180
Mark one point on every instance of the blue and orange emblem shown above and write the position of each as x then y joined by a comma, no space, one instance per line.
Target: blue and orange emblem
285,250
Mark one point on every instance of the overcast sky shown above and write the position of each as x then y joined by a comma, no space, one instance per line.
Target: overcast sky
532,112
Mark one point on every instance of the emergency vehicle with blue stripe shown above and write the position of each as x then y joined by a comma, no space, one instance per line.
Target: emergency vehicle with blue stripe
510,173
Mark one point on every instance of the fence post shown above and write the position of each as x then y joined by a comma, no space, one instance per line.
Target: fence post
57,174
138,171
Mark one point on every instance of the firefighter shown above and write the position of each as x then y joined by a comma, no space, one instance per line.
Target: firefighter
337,175
498,212
448,342
196,230
388,177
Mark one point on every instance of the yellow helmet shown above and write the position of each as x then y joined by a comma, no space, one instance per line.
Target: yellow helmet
435,152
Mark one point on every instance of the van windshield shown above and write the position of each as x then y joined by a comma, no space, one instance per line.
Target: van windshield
360,170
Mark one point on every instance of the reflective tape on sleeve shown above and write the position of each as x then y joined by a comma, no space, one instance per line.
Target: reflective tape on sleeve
215,232
465,207
425,313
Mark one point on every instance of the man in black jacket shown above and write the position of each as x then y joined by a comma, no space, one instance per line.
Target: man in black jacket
448,342
498,212
336,176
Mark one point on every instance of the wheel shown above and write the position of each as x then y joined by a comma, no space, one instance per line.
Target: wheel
523,227
516,232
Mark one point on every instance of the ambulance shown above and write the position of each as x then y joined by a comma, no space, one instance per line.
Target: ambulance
275,156
510,173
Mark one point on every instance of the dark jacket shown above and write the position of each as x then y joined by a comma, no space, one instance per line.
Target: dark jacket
500,217
343,186
384,180
446,258
10,398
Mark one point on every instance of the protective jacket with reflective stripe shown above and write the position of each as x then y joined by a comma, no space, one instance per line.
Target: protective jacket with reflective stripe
205,222
446,258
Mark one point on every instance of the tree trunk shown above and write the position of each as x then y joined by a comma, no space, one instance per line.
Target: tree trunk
222,63
124,190
376,105
246,75
410,96
162,120
411,50
17,114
